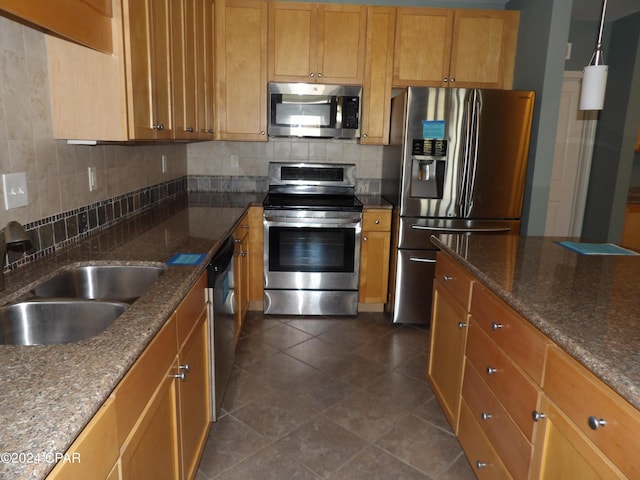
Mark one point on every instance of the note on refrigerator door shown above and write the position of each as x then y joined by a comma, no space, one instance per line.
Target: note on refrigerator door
433,128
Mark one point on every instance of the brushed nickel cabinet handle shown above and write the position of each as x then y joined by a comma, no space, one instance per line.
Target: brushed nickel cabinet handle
595,423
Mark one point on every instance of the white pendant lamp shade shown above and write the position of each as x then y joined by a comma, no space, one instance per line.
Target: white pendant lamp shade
594,80
594,84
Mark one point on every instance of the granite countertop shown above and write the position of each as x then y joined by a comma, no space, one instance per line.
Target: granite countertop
49,393
587,304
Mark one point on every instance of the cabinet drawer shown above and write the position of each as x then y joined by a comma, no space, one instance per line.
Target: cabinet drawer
511,386
484,460
376,220
506,438
191,308
138,385
580,395
454,279
95,451
522,342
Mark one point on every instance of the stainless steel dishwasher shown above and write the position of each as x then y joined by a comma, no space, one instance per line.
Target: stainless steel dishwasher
221,322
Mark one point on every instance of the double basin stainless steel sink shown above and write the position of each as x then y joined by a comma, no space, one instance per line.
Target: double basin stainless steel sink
75,304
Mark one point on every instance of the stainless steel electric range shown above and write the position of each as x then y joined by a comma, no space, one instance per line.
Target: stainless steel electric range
312,228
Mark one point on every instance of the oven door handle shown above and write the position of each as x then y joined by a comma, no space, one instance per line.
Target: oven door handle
311,222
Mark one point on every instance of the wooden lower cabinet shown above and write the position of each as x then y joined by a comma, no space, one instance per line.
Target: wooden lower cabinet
151,451
485,461
375,248
256,258
156,422
521,407
631,228
241,271
95,452
195,416
449,323
562,451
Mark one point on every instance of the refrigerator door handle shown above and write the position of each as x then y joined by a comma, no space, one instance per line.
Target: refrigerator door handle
462,229
421,260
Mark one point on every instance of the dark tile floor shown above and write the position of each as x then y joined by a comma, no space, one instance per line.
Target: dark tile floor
331,398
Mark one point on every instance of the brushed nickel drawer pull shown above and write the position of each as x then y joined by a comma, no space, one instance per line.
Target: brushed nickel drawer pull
496,326
537,416
491,370
461,324
485,416
595,422
480,465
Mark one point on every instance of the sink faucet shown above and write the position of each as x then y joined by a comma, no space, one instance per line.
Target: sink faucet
12,234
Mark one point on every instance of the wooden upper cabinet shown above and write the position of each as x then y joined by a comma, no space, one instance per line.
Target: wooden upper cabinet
87,22
241,70
483,48
376,102
422,47
455,47
205,65
147,39
322,43
183,59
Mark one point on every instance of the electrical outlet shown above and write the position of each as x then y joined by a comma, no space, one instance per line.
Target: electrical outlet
234,160
15,190
164,164
567,55
93,179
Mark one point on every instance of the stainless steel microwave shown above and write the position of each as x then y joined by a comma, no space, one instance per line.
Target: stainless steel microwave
314,110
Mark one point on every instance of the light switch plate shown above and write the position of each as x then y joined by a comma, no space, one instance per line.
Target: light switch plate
15,190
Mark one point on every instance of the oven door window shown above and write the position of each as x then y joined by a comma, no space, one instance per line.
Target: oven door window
307,249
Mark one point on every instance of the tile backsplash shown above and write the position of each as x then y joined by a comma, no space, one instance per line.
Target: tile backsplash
58,231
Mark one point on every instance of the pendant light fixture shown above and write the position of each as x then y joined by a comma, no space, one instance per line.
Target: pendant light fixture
594,79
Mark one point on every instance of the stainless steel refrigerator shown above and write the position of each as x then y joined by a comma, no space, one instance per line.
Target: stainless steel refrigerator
456,162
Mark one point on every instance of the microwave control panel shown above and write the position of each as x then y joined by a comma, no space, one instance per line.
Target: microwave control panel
350,111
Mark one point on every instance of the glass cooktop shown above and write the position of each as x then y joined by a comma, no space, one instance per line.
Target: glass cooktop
312,202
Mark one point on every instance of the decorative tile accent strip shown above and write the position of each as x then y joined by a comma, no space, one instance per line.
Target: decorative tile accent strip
51,234
63,229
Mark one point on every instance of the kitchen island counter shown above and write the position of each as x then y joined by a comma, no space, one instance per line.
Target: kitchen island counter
50,393
586,304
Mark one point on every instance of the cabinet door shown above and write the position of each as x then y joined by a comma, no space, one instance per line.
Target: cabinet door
241,272
483,48
376,100
95,451
195,410
241,66
256,255
374,266
562,451
449,323
149,69
341,43
87,22
292,42
205,69
422,47
151,451
183,60
631,228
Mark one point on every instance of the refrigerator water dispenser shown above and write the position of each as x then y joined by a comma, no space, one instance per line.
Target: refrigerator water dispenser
427,177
